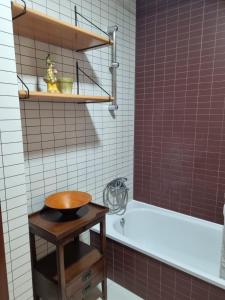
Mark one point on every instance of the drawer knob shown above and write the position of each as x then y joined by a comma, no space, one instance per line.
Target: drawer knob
86,289
86,276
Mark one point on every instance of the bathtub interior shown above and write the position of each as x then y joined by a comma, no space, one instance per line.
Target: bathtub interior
191,243
187,243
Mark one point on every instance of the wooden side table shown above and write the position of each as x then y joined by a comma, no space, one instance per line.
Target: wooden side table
70,272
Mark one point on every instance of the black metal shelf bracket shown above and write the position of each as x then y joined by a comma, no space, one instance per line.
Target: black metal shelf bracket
92,47
86,19
78,69
23,12
27,92
76,14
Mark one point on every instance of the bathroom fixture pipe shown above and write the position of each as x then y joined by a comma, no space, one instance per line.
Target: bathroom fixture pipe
115,196
113,67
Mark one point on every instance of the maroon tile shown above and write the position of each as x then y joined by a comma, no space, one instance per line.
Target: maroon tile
200,290
180,89
153,280
216,293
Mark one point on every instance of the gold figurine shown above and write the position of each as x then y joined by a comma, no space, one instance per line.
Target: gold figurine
51,78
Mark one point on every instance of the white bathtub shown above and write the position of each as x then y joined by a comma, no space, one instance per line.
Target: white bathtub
189,244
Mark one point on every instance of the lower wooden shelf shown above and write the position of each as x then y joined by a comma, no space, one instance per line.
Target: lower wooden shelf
58,97
84,269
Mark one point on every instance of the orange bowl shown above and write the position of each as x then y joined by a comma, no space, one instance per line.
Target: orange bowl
68,202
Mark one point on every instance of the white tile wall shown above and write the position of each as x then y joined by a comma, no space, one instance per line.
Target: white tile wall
66,146
12,177
78,146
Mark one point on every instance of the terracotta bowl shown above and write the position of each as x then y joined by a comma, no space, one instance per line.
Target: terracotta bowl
68,202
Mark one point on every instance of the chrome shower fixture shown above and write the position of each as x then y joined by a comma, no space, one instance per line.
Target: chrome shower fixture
115,196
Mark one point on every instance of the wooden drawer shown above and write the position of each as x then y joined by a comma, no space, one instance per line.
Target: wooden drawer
82,293
88,279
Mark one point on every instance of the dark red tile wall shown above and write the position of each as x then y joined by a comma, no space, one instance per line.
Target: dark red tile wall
180,92
152,280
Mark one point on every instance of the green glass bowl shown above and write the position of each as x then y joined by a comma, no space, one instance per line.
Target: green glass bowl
65,85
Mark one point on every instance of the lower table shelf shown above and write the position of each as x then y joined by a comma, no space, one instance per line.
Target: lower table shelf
84,269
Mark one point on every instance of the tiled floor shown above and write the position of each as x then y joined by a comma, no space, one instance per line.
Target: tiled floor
115,292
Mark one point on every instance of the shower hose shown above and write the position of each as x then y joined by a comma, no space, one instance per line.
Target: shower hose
115,196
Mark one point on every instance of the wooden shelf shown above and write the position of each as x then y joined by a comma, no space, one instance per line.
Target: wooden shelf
83,267
74,269
54,97
38,26
78,259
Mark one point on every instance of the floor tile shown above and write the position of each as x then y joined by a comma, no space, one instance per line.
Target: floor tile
115,292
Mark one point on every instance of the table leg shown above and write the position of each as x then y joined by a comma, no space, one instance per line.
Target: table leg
103,251
76,239
33,262
61,272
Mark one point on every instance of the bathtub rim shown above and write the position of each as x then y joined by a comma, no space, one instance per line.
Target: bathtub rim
132,205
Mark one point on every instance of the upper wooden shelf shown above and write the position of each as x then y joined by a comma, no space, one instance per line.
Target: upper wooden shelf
53,97
38,26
